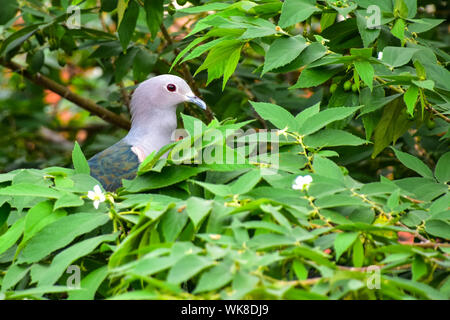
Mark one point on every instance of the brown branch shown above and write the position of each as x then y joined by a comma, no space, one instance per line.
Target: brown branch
185,71
430,244
66,93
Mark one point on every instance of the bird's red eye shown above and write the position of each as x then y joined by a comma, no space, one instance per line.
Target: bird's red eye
171,87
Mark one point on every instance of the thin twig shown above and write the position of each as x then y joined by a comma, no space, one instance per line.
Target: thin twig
66,93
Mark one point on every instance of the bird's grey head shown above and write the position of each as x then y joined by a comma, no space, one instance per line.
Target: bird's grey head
162,92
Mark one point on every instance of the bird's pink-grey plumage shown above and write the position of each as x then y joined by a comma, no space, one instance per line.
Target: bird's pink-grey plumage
153,120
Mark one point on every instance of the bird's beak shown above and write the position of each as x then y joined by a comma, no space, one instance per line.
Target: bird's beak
194,99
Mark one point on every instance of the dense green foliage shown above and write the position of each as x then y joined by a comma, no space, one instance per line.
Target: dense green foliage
363,111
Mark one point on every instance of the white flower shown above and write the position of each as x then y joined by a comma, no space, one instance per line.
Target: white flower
380,55
97,196
302,182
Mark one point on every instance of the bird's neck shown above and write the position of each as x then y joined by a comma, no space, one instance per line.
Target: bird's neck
151,131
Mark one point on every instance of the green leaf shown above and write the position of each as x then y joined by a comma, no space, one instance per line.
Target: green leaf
216,64
282,51
143,64
303,116
39,291
424,24
154,13
419,268
414,163
31,190
312,77
108,5
358,254
392,125
442,171
321,119
343,241
232,62
215,278
38,217
197,209
9,9
294,11
327,19
300,270
187,267
65,258
59,234
169,175
397,56
367,35
278,116
366,72
14,274
128,24
246,182
13,234
89,285
398,30
80,163
327,168
410,98
331,138
438,228
5,210
68,200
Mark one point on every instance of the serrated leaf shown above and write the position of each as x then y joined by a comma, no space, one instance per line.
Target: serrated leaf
282,51
278,116
321,119
294,11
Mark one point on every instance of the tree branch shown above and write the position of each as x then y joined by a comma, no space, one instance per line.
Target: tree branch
66,93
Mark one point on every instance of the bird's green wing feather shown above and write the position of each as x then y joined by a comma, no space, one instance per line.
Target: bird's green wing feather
114,164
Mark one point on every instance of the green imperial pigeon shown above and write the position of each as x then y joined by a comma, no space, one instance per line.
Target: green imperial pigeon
153,120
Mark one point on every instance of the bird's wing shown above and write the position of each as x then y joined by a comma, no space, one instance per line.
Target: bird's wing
114,164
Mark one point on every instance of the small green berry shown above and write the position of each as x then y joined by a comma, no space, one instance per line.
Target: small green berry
347,85
333,87
431,124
